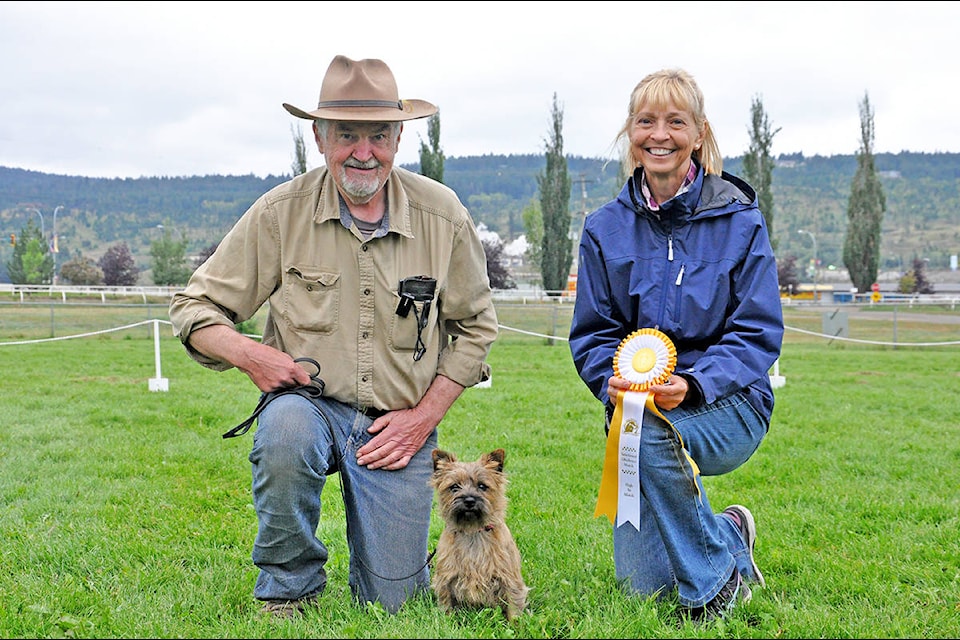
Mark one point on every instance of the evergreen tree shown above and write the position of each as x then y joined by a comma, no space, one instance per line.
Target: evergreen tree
299,165
32,262
170,260
118,266
431,158
758,162
556,256
861,247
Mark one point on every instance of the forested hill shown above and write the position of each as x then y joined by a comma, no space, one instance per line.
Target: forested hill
922,192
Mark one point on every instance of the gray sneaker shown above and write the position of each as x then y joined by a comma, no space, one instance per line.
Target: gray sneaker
743,519
734,592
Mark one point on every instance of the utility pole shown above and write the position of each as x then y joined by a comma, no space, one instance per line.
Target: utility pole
583,215
815,260
54,248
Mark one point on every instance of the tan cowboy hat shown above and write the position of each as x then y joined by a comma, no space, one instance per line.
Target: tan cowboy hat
362,90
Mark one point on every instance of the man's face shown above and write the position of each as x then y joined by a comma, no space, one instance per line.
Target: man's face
360,156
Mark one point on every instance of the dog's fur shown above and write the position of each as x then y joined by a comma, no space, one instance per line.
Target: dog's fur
477,563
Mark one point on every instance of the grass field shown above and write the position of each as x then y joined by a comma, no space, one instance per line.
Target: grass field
124,514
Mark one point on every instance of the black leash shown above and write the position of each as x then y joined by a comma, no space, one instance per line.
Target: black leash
311,391
308,391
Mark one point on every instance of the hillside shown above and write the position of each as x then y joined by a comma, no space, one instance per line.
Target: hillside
810,193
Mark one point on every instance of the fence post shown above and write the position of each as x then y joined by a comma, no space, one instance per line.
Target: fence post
158,383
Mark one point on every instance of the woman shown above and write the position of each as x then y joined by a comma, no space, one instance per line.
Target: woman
683,249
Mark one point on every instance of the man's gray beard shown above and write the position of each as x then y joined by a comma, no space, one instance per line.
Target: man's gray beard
360,191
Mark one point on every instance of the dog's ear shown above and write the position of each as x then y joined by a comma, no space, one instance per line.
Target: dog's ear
494,459
441,458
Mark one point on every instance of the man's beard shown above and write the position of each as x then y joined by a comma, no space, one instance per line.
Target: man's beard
361,189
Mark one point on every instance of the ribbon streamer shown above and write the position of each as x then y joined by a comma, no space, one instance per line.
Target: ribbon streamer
645,358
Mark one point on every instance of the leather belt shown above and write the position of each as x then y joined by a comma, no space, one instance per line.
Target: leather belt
372,412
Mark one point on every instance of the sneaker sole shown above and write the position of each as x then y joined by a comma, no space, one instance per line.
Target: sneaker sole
750,529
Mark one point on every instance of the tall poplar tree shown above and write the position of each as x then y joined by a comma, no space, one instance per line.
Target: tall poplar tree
861,246
556,256
758,162
299,165
431,157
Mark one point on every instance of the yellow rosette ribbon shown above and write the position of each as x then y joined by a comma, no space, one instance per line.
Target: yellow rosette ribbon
645,358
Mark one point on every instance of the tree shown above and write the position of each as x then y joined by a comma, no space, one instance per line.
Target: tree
758,162
81,271
119,267
497,272
861,247
32,262
204,255
557,252
431,158
915,280
299,165
533,227
787,274
170,260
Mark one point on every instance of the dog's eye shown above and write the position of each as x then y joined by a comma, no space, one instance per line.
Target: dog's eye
453,488
482,486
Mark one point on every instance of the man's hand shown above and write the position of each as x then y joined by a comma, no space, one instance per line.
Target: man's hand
270,369
399,435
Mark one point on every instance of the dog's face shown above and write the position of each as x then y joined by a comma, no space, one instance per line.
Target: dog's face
470,494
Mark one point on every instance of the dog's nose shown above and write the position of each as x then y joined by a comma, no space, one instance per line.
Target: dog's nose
469,502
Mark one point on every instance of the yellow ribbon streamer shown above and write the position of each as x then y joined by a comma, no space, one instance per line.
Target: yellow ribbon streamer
608,495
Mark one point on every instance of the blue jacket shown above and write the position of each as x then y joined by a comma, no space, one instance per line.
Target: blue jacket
701,270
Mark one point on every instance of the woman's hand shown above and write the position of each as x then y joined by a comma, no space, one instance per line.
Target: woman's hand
666,396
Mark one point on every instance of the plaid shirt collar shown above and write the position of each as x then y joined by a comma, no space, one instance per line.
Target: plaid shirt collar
648,197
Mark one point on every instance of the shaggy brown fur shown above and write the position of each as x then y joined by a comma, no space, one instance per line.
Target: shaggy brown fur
477,563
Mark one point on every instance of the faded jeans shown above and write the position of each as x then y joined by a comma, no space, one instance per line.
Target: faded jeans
681,543
297,444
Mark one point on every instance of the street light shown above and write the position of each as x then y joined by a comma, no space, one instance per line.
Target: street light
815,260
43,231
54,249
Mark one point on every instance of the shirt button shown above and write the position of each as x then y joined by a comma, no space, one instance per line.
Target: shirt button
363,248
365,334
366,292
363,379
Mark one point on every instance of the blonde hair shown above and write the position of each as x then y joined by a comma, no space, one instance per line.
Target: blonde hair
658,90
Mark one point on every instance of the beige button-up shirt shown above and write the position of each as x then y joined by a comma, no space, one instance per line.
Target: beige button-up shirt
333,296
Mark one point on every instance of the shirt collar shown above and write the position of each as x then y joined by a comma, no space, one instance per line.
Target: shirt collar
648,196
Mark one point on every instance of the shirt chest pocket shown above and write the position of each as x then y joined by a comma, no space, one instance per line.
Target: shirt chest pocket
311,300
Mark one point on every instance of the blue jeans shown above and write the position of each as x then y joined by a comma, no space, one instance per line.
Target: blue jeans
681,543
297,444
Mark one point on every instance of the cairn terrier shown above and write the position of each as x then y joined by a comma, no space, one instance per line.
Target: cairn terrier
477,563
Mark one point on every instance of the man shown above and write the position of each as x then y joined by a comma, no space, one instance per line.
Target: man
376,276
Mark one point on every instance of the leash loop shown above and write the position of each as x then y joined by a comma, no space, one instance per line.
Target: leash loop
309,391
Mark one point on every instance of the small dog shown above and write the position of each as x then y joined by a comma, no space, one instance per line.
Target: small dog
477,563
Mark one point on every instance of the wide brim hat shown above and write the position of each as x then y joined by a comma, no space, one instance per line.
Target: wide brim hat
362,90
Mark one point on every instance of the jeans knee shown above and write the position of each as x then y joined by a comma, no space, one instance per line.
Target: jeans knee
287,435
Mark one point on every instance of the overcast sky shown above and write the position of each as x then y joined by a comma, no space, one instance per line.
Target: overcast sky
131,89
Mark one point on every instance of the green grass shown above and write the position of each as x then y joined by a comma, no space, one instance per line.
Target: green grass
124,514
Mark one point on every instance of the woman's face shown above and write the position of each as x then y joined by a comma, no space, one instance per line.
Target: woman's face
663,139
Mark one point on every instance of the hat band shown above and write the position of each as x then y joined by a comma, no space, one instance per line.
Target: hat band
327,104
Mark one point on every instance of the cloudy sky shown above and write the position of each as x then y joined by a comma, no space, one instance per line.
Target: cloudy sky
131,89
